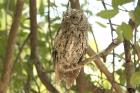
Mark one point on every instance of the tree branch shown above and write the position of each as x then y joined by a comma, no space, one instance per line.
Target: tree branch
86,86
8,66
103,69
129,65
103,54
34,52
75,4
21,48
111,46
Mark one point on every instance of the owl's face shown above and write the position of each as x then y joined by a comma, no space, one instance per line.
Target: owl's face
73,16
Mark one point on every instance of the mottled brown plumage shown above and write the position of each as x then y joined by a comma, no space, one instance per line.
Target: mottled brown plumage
70,45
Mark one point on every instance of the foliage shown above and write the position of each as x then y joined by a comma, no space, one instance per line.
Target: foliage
108,13
116,3
135,79
125,30
24,72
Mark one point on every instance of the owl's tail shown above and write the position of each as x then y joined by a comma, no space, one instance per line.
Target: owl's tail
68,77
58,73
71,77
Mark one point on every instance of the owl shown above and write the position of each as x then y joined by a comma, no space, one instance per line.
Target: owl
70,46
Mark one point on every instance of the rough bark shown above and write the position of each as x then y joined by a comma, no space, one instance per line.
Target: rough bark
83,85
75,4
8,66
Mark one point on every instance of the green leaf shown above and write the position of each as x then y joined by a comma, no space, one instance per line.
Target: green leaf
106,84
3,39
119,33
100,24
88,76
55,26
137,47
134,14
115,3
121,74
135,79
137,15
107,14
125,30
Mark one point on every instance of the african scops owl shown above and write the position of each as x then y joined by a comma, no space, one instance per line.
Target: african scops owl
70,46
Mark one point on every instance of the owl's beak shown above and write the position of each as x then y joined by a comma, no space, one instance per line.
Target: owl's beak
67,16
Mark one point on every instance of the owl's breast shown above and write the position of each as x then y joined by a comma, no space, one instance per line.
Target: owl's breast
70,45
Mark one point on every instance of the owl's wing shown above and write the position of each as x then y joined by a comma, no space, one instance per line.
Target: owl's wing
57,66
54,50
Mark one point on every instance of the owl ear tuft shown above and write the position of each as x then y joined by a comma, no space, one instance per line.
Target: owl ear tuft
81,12
64,13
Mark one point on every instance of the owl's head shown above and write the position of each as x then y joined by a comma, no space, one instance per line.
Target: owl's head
73,16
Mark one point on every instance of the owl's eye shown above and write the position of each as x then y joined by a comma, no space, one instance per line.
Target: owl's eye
73,17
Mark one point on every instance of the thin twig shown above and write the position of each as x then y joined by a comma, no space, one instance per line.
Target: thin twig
111,27
49,23
21,48
94,39
125,10
81,64
34,49
111,46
